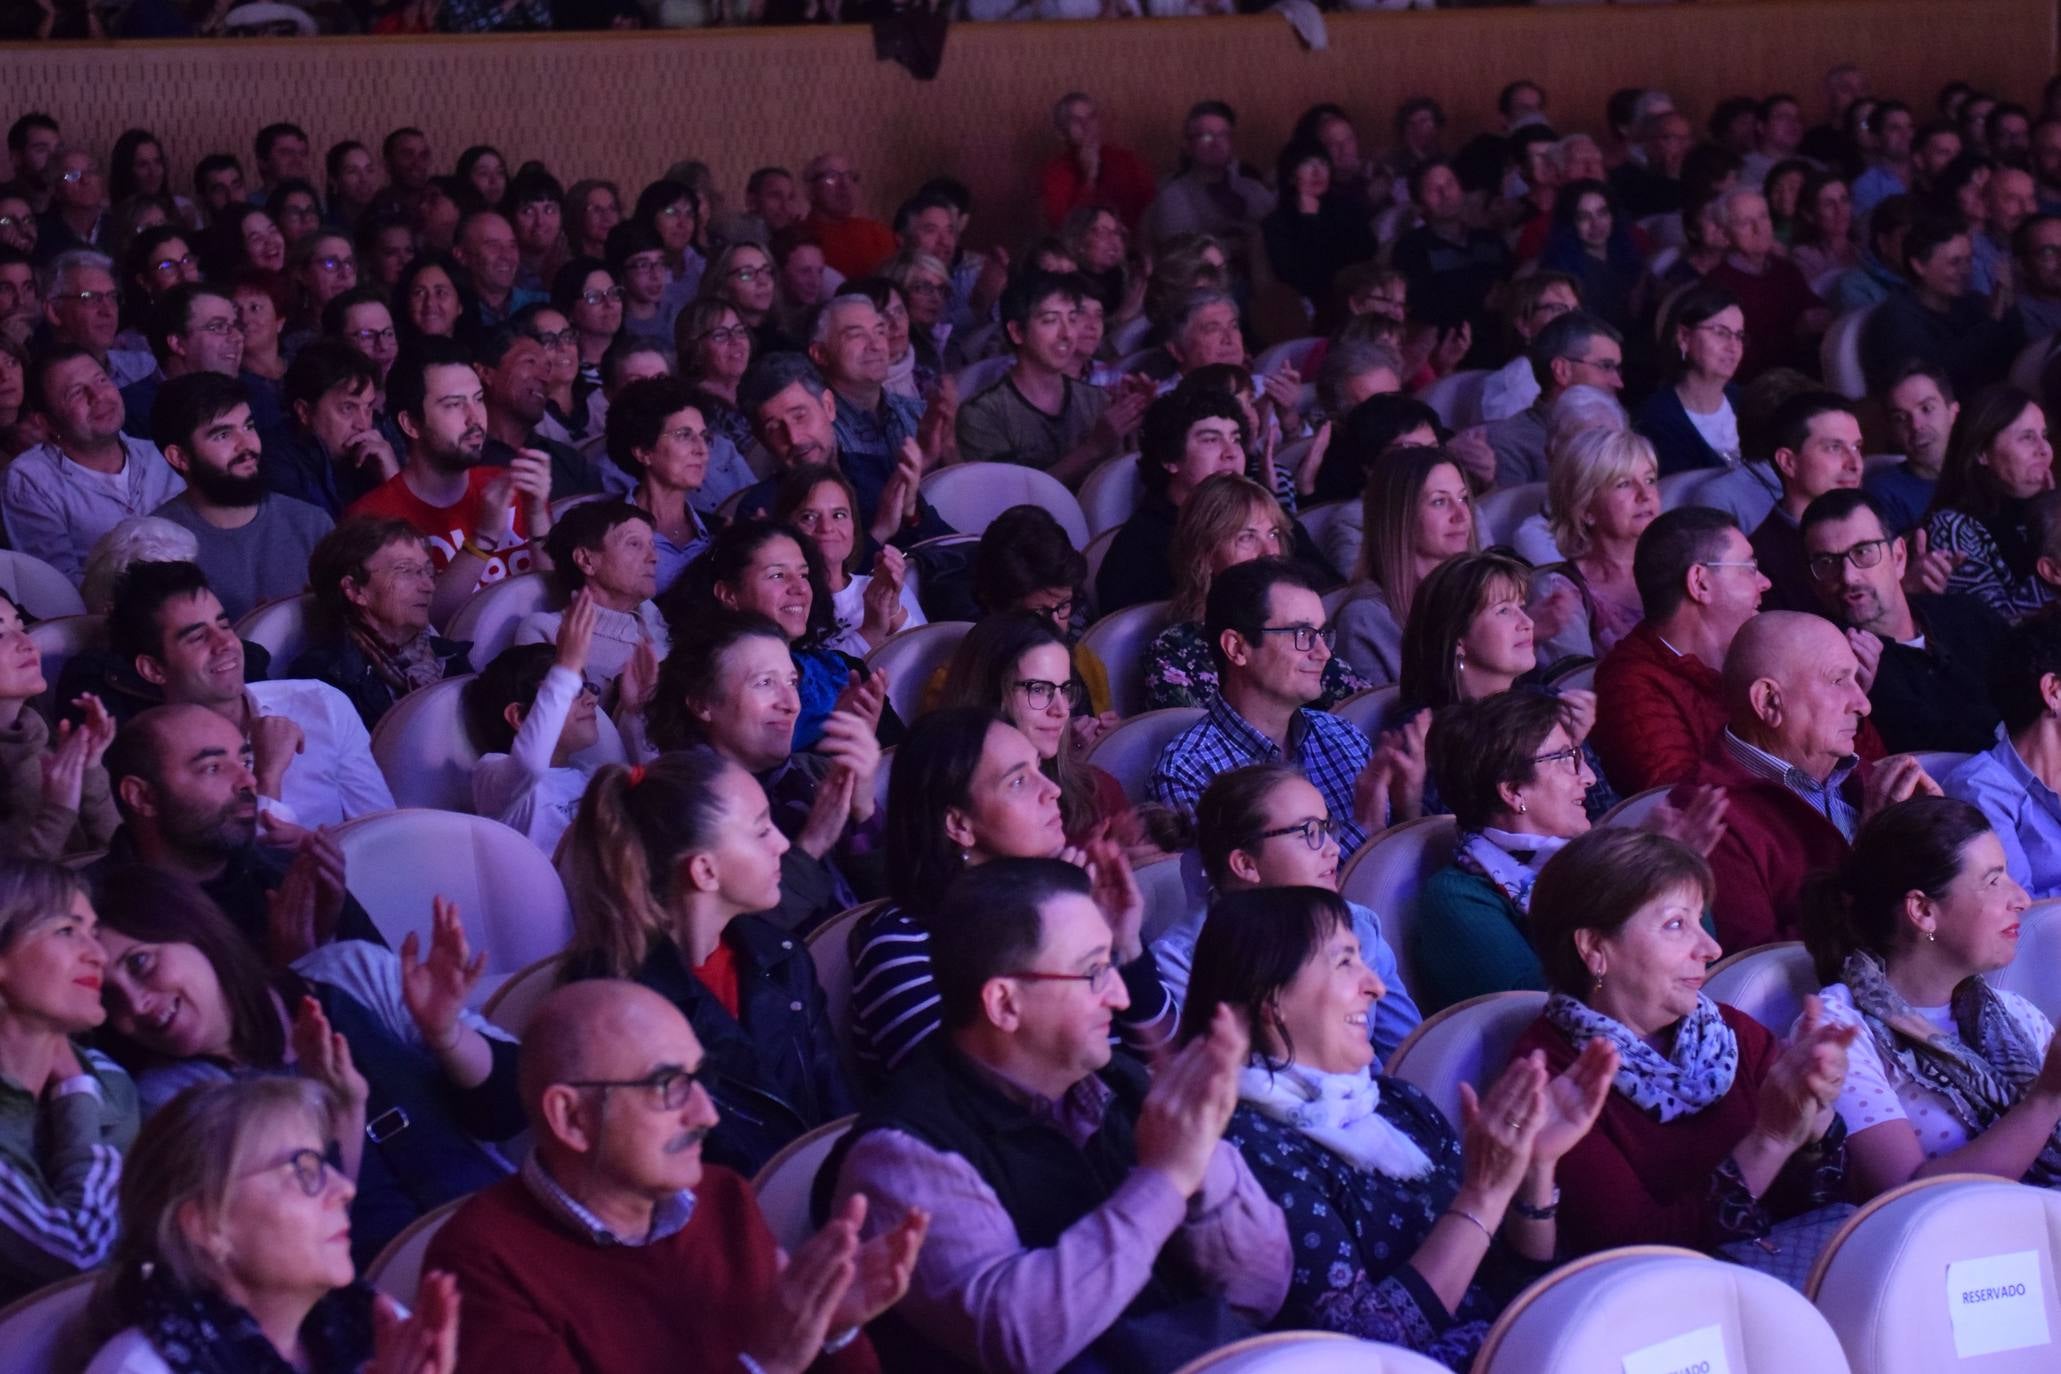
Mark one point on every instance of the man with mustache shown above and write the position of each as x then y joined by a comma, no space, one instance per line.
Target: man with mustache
618,1248
482,523
182,781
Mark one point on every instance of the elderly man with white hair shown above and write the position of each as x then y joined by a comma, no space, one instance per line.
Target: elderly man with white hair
1783,315
1788,764
82,303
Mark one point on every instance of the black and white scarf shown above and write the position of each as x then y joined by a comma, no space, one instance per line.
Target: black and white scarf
1693,1075
205,1333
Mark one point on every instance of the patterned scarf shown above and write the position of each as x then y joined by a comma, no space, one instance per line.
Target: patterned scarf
1696,1073
412,666
1511,861
1339,1112
205,1333
1982,1075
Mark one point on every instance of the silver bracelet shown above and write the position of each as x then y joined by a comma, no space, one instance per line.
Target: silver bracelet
1479,1225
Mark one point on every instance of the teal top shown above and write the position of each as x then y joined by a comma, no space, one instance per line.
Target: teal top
1468,939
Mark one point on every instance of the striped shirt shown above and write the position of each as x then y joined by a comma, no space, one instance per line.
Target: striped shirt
60,1172
895,1004
1822,797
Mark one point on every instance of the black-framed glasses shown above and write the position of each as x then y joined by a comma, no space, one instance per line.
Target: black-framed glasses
748,275
666,1090
1315,830
1058,611
726,334
1097,978
332,263
1039,692
366,338
564,338
1571,756
310,1169
1866,554
166,264
221,329
1722,334
600,298
1305,637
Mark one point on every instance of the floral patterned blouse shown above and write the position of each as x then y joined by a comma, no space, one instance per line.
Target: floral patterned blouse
1352,1232
1180,671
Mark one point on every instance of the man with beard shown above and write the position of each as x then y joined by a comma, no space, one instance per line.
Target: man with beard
482,523
312,756
254,543
511,366
63,494
183,783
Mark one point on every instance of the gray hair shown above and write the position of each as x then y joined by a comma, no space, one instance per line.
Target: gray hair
1349,358
1186,307
819,327
52,279
906,265
1568,336
1733,197
135,539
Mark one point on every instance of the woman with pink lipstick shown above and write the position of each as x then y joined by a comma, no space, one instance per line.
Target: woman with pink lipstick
1714,1131
1949,1075
235,1254
420,1081
67,1113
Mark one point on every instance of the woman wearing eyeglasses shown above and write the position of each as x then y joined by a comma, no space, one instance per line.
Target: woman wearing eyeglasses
714,347
869,608
587,293
362,319
664,861
1229,520
419,1083
1694,423
236,1250
744,278
969,787
924,285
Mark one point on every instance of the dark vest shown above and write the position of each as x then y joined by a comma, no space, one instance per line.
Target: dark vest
1045,1184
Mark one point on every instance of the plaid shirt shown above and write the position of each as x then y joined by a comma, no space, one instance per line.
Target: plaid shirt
1822,797
1331,752
869,443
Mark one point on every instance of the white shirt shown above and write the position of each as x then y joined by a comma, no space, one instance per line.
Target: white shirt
522,789
333,778
1720,429
1510,389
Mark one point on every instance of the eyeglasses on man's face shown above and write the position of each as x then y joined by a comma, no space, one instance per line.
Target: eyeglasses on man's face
601,298
664,1090
1097,978
1304,637
1868,553
564,338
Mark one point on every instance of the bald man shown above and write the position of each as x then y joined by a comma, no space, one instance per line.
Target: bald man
1787,761
617,1250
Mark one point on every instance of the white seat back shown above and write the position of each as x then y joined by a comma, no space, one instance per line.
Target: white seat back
1892,1285
1120,640
508,895
1294,353
1457,397
784,1185
2034,973
1164,886
970,495
1679,488
516,1001
397,1269
1316,520
1469,1042
1370,710
1840,354
281,626
422,747
830,949
1937,763
1110,494
60,641
1388,872
1128,752
1768,983
1654,1307
1501,511
36,587
35,1330
1310,1352
489,616
911,657
1635,811
975,378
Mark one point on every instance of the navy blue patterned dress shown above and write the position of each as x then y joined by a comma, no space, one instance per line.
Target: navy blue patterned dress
1352,1232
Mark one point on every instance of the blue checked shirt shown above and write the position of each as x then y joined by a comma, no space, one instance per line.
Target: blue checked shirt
869,444
1331,752
1822,797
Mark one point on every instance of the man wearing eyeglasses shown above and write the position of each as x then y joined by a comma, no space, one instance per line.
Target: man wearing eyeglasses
1529,306
852,244
1059,1178
1924,658
1212,193
192,328
1817,448
77,217
2036,283
83,309
1574,349
619,1248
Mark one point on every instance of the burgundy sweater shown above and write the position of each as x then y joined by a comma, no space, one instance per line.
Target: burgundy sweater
538,1298
1656,712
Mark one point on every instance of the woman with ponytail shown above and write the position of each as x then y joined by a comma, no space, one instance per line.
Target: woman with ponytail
663,861
1949,1075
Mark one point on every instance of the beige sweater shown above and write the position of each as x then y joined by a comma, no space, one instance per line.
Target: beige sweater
31,828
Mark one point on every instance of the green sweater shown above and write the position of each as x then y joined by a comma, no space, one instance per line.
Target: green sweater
1468,939
60,1171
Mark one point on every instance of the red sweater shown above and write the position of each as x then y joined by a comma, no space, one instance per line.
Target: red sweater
853,246
1773,840
540,1299
1657,712
1124,183
1634,1181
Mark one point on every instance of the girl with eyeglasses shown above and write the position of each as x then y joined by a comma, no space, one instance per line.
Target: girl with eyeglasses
418,1083
1264,827
868,608
236,1250
968,787
665,860
592,208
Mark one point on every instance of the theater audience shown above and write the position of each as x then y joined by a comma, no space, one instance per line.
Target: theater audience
867,608
1212,193
2012,780
1603,492
54,796
1190,435
1714,1132
1782,313
1922,412
1592,243
70,1112
1409,1232
1090,169
1033,1260
658,440
369,631
1452,265
235,1249
418,1082
1417,512
1693,423
607,550
1026,562
1928,665
531,716
1998,460
1816,440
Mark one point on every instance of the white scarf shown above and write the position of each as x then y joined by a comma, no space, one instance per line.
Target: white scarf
1494,854
1337,1110
901,376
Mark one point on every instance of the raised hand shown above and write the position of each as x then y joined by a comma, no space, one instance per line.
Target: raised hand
1572,1101
1867,653
1497,1133
275,741
850,743
1803,1083
1313,461
1580,705
435,988
1699,825
864,696
638,682
1928,570
897,506
324,1056
828,812
1894,779
1190,1102
494,518
796,1317
884,613
882,1267
530,472
64,769
576,631
424,1342
95,723
1115,889
1083,731
1477,460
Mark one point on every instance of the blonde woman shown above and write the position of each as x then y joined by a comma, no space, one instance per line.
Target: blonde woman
1229,520
926,287
1417,513
1602,493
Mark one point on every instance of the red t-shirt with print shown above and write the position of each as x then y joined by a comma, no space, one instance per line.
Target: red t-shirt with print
446,528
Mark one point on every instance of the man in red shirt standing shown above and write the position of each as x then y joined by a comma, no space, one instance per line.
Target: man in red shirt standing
1089,171
481,523
852,243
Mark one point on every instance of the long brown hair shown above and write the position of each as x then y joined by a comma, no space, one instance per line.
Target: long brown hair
1217,510
982,675
1445,604
1388,508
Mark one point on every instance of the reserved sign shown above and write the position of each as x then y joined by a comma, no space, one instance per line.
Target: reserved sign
1997,1303
1701,1351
